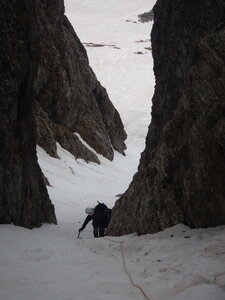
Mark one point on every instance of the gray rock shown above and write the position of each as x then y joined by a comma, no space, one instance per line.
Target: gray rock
146,17
45,131
47,83
24,199
181,176
71,143
48,133
67,88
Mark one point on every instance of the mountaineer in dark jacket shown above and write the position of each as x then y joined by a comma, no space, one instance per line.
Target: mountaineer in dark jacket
100,217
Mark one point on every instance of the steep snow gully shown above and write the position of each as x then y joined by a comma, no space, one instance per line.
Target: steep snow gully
50,262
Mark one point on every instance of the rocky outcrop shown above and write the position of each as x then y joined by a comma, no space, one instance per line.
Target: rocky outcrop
68,91
48,93
181,176
49,133
45,132
24,199
146,17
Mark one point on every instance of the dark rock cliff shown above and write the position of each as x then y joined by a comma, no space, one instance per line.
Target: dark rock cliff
181,176
69,93
23,196
48,92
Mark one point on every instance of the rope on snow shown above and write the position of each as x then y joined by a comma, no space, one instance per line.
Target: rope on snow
125,268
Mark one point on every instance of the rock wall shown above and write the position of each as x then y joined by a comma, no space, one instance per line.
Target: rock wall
48,92
181,176
24,199
68,91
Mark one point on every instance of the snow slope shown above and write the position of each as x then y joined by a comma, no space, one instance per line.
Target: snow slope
50,263
127,76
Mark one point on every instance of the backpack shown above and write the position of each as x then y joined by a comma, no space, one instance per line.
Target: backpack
101,216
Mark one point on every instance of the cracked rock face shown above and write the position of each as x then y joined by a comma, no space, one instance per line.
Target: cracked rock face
181,176
68,90
48,92
24,199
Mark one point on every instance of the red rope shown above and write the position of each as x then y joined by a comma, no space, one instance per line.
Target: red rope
125,268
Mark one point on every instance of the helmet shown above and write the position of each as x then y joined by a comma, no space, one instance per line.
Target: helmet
89,211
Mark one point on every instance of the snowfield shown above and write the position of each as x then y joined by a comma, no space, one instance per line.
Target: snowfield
50,263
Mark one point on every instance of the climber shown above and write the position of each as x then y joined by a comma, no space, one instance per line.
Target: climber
100,216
